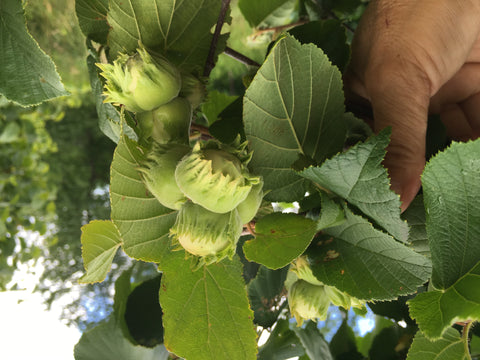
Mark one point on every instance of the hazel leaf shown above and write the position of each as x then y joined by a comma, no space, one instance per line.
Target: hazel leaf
449,347
100,242
142,221
293,106
179,30
436,310
280,239
206,312
366,263
27,75
451,183
358,176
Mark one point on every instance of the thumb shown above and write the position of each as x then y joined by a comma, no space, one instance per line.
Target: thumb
402,103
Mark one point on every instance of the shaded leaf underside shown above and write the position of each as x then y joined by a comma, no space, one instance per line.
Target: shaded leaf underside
143,223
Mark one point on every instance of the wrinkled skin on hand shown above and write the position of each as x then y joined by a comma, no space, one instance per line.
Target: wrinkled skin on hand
410,58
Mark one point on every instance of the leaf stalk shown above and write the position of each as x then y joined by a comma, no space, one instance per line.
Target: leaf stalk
210,64
466,329
240,57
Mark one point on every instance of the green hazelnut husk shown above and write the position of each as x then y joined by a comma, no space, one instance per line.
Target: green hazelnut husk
308,301
167,123
140,82
248,208
302,269
215,176
158,173
208,236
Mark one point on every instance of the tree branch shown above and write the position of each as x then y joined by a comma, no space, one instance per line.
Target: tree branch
240,57
251,227
201,129
210,64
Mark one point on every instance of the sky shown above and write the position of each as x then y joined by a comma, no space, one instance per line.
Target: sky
27,330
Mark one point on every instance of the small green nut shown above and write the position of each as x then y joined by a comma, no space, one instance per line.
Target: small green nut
303,271
158,174
308,301
140,82
215,176
339,298
207,235
248,208
167,123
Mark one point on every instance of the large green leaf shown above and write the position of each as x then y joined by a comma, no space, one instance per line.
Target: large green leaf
92,18
312,340
451,184
178,29
449,347
206,314
27,75
436,310
144,224
106,342
294,106
279,239
359,177
367,263
100,242
331,213
265,293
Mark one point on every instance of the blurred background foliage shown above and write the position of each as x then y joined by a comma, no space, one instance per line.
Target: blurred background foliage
54,173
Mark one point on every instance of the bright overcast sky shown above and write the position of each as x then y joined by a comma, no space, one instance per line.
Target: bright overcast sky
27,330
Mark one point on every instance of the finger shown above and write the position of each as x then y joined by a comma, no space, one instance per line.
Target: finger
458,102
471,109
460,87
400,99
456,123
462,121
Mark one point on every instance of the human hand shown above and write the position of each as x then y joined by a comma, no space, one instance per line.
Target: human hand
410,57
